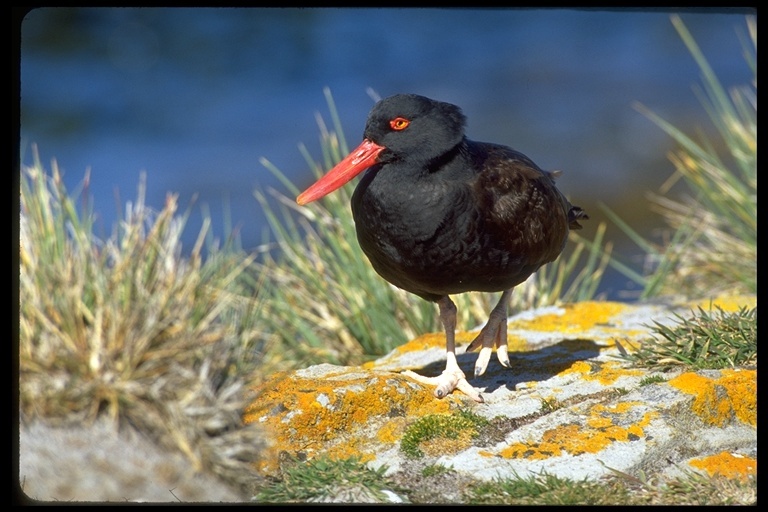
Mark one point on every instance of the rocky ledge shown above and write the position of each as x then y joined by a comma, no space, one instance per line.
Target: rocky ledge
570,405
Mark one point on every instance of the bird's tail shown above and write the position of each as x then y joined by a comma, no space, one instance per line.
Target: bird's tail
574,214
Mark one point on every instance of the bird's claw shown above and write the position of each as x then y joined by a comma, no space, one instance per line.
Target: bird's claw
502,352
465,387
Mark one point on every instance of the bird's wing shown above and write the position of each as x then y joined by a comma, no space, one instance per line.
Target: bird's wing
522,203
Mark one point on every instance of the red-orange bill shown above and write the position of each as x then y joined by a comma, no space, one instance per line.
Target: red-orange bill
361,158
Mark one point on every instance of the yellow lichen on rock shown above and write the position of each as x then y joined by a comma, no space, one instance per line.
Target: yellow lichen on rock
576,318
611,371
728,303
602,428
391,431
719,400
729,465
581,367
423,342
607,372
337,414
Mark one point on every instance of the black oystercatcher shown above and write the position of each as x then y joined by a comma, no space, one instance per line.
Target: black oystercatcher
439,214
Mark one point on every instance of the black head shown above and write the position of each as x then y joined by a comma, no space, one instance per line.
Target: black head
413,127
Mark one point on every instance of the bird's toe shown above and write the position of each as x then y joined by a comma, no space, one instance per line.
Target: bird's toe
482,361
465,387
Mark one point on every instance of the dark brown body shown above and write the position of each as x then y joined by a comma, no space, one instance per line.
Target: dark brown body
482,218
438,214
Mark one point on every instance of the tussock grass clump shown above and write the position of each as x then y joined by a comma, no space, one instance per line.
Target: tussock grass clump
549,405
350,481
548,489
620,489
125,327
713,340
711,246
436,469
324,480
329,305
652,379
463,424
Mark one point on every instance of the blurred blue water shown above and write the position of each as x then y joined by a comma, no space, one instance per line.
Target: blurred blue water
195,97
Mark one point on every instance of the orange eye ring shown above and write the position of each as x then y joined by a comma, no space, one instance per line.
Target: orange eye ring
399,123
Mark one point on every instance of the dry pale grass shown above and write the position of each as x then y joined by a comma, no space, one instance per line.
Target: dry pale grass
128,329
709,203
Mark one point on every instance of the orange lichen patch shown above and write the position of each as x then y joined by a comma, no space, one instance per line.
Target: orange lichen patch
729,465
599,431
576,318
610,372
602,416
344,451
582,367
335,413
717,401
531,451
391,431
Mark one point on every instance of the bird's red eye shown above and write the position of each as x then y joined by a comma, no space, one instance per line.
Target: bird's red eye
399,123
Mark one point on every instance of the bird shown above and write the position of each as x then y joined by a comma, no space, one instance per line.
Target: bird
438,214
